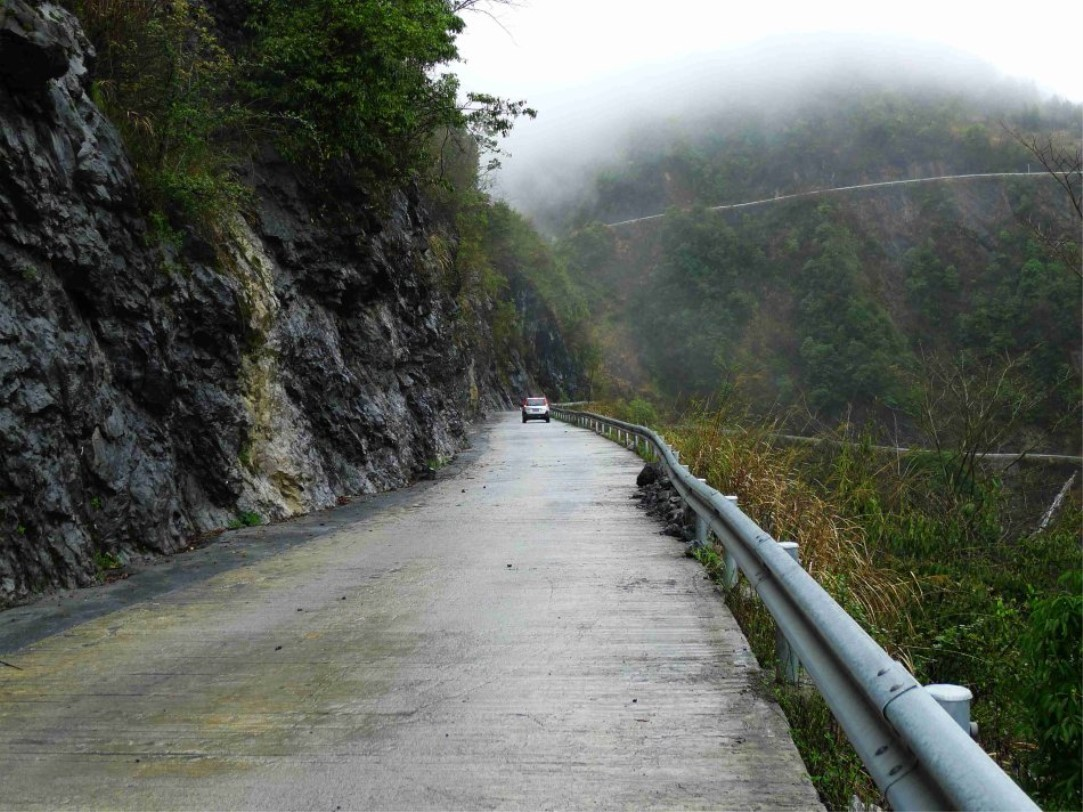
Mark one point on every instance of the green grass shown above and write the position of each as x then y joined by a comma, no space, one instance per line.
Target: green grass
247,518
106,561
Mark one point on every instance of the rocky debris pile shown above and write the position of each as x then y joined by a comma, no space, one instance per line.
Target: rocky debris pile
660,499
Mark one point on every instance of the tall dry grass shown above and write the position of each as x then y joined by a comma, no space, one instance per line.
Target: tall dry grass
764,476
740,456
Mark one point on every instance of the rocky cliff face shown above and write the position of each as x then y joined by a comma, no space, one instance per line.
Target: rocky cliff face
150,392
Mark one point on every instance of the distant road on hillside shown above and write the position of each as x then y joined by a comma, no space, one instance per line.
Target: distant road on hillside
838,189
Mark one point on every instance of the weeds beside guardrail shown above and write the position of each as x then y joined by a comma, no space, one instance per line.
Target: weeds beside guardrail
919,757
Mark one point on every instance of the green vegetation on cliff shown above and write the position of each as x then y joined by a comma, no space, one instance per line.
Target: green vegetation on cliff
342,89
164,79
356,76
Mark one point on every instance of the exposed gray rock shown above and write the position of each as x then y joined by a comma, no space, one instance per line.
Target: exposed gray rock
651,473
33,48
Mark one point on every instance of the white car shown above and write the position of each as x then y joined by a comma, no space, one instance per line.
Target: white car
536,409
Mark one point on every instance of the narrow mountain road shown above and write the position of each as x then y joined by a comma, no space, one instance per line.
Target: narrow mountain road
516,635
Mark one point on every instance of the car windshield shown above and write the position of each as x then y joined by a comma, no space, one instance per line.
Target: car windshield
535,401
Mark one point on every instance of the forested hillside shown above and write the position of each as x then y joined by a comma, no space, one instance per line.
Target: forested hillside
868,302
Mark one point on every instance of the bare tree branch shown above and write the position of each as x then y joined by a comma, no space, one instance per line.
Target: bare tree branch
1063,162
476,6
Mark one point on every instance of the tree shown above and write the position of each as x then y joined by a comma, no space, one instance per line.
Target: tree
1052,647
1064,162
970,406
359,80
356,75
166,82
488,118
850,350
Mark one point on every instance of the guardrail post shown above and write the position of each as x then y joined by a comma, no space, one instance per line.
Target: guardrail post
787,666
730,571
702,530
955,699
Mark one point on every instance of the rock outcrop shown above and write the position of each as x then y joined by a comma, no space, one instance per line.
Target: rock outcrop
150,392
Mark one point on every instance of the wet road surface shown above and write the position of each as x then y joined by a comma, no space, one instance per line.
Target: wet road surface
514,635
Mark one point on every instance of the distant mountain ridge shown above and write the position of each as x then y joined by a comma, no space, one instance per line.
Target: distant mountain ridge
598,124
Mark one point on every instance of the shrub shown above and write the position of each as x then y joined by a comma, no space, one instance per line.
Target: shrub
358,77
165,81
1052,647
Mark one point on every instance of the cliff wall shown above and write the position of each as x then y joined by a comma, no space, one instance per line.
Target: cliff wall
155,386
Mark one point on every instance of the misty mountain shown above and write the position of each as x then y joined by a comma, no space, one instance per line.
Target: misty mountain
847,304
603,125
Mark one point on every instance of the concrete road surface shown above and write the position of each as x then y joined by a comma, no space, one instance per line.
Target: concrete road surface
516,635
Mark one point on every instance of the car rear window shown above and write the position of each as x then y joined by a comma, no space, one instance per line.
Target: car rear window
535,401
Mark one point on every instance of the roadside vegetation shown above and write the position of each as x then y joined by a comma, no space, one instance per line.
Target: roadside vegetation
942,565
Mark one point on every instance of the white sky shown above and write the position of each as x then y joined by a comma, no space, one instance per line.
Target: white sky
551,43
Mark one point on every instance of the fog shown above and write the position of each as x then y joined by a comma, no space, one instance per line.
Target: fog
582,127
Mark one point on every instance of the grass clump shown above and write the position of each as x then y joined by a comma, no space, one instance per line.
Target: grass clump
246,518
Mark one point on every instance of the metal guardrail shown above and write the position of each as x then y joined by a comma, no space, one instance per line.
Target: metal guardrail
918,755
